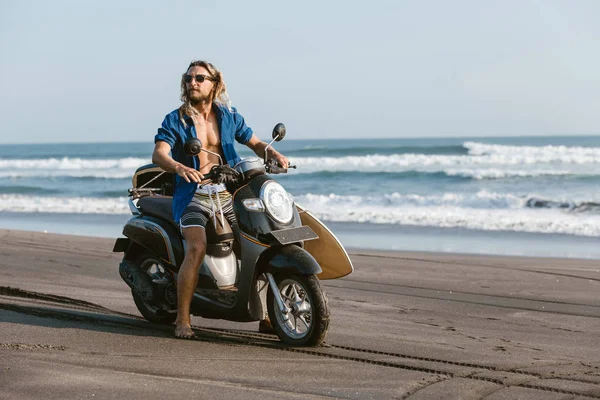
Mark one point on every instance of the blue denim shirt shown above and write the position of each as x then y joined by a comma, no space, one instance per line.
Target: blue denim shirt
231,126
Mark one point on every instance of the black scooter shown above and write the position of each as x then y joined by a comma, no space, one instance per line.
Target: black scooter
265,251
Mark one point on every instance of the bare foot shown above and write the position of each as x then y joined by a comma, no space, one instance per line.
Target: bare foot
184,331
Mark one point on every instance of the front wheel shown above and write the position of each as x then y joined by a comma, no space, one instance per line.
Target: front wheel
308,320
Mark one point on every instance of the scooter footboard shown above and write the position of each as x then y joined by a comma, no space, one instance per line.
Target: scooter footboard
289,258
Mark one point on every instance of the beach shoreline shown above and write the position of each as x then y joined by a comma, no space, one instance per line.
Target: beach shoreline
360,236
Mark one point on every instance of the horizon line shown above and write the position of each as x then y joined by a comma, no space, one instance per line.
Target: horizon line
334,138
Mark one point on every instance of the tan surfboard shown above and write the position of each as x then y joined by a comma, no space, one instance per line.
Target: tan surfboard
327,249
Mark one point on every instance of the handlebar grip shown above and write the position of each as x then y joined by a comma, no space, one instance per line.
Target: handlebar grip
210,175
276,169
223,174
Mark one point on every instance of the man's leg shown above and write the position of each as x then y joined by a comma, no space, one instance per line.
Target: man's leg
187,278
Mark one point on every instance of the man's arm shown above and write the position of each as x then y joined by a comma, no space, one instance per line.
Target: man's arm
162,157
258,147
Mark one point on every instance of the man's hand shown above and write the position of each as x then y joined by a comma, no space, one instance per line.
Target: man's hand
161,157
189,174
258,147
280,158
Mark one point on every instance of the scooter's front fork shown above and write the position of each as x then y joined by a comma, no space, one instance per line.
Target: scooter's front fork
277,295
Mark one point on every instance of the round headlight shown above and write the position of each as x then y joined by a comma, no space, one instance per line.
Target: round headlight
277,202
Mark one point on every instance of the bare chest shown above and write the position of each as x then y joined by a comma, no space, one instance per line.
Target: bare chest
208,132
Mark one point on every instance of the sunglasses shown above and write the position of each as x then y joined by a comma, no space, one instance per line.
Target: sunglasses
199,78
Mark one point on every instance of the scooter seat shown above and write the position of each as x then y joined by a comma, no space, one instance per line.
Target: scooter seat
161,207
158,206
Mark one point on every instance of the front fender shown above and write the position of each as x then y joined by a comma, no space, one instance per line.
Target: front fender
289,258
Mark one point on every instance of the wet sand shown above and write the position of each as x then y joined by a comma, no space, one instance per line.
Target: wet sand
404,325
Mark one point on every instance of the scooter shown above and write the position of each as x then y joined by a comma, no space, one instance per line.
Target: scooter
259,269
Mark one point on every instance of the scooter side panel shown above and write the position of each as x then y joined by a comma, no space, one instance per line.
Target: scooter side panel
156,236
248,302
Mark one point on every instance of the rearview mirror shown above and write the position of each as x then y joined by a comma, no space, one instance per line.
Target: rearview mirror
192,147
279,132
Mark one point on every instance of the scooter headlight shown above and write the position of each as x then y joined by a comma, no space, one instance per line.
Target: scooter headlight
278,203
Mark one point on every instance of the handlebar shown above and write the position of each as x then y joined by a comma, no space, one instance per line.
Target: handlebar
224,173
211,175
273,167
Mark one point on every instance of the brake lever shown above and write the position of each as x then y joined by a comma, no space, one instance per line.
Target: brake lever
276,168
273,167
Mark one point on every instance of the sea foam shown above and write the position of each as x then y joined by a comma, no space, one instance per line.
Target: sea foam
483,161
483,210
76,205
452,212
67,163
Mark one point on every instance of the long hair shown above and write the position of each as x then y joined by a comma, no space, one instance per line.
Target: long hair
219,93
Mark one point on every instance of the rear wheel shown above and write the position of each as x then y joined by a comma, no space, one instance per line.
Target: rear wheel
307,322
154,311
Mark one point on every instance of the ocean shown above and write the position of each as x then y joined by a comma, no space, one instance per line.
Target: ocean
520,196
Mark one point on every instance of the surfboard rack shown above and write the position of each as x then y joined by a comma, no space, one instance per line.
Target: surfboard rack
151,179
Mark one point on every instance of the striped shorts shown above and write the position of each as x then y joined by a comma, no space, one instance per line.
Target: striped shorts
205,204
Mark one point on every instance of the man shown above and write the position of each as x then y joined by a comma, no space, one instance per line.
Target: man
206,113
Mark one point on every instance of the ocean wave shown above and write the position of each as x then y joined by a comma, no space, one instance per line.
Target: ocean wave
385,176
312,148
388,173
22,189
483,199
467,174
89,154
483,161
75,205
497,173
483,210
478,154
376,150
536,154
452,212
68,163
112,193
478,167
76,174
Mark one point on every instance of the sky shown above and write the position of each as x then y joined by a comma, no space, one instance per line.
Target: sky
109,71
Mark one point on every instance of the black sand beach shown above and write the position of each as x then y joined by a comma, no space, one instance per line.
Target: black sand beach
404,325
